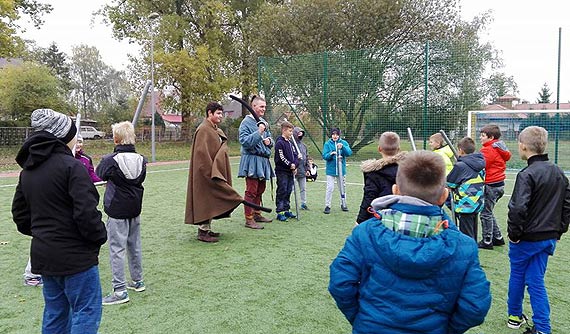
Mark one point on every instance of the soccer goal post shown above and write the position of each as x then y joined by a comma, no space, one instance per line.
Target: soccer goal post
511,122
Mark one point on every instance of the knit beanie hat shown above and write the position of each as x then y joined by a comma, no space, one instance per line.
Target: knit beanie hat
335,130
55,123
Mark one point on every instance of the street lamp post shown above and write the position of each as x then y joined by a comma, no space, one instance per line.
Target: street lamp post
151,17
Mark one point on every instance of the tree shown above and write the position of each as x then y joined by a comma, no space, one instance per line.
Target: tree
94,83
57,61
381,81
26,87
544,94
204,39
12,45
499,84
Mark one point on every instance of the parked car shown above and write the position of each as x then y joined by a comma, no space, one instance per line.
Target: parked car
89,132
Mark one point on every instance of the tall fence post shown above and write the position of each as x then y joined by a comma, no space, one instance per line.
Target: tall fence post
325,106
557,126
425,104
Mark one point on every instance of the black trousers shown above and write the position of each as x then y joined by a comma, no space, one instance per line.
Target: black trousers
468,223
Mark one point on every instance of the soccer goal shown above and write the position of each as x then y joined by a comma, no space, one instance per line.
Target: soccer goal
511,122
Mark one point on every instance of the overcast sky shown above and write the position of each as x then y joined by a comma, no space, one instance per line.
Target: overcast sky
525,31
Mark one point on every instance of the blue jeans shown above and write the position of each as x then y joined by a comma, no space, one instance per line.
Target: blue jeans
72,303
528,266
285,182
489,227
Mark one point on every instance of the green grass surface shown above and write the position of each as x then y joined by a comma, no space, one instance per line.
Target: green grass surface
269,281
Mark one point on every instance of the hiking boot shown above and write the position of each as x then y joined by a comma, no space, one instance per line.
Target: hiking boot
515,322
484,245
214,234
205,236
260,219
344,208
117,297
327,210
138,286
250,223
532,330
34,281
281,217
304,207
498,242
290,214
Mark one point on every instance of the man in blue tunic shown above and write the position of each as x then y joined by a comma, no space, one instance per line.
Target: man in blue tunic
256,143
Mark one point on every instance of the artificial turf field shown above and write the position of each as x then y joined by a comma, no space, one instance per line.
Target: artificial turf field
253,281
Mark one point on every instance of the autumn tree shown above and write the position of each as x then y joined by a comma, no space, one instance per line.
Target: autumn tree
11,45
26,87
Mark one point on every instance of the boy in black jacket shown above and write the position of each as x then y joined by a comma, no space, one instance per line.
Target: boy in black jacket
56,203
286,161
539,213
125,171
380,174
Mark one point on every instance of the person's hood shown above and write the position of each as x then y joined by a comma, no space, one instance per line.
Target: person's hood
38,148
502,148
377,164
475,161
409,257
296,131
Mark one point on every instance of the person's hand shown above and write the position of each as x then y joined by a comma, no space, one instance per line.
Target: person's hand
333,152
261,127
339,145
267,141
293,166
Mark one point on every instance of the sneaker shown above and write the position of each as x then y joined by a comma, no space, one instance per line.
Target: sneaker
304,207
281,217
290,214
138,286
117,297
344,208
35,281
532,330
327,210
515,322
483,245
498,242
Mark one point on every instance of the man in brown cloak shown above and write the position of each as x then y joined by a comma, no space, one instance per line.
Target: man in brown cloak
210,194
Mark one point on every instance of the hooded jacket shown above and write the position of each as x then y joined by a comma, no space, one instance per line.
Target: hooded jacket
56,203
125,171
496,156
88,163
379,177
331,159
384,281
467,182
285,155
303,166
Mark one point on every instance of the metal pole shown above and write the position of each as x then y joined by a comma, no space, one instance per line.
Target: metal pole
557,129
151,17
426,80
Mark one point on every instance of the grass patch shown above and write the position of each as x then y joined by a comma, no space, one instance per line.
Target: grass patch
269,281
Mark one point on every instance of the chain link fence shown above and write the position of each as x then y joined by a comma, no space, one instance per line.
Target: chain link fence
426,87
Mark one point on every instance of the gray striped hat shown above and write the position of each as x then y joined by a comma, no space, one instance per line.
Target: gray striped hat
57,124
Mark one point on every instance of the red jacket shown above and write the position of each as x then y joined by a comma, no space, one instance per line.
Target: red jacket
496,156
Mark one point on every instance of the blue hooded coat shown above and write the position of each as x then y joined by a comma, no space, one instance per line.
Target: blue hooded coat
388,282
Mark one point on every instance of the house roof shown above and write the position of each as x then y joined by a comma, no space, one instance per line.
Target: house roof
172,118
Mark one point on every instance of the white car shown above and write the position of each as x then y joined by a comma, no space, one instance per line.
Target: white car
89,132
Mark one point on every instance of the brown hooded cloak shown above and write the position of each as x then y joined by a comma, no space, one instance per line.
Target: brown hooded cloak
210,194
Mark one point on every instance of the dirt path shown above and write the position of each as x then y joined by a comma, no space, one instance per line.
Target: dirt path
158,163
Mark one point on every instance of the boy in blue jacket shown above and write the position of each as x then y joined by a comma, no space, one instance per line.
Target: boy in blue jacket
467,181
408,270
539,213
286,161
334,149
125,171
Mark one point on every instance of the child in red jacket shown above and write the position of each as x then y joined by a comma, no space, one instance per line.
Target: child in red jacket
496,156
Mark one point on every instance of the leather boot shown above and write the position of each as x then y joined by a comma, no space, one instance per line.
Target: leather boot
206,237
260,219
250,223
